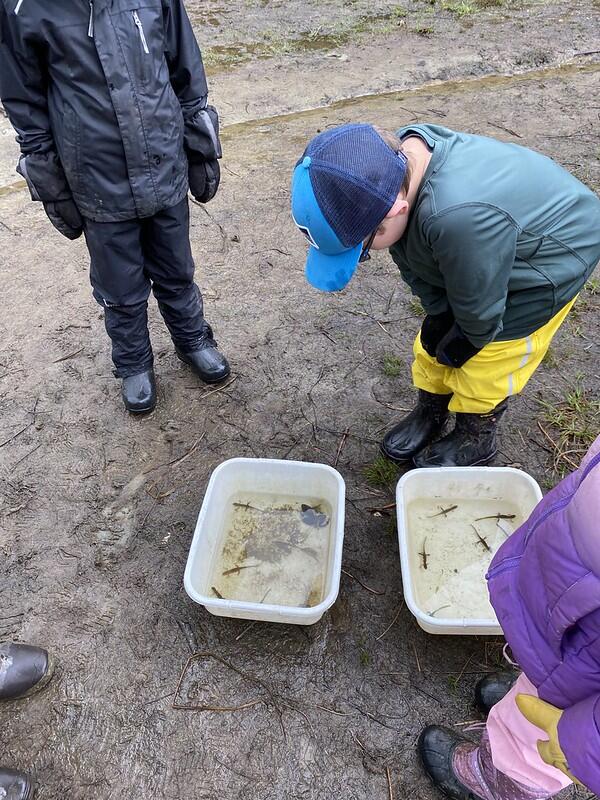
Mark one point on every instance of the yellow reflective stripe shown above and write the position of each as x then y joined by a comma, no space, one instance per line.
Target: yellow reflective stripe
528,351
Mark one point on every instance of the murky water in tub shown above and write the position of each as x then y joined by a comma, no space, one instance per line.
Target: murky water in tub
274,550
452,543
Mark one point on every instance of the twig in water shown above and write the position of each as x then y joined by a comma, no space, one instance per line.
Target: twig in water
364,585
389,779
444,511
389,627
481,539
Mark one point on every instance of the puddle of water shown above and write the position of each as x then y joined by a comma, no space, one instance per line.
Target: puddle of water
429,89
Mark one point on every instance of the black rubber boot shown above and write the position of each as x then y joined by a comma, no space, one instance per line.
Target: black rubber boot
436,747
491,689
423,424
208,363
15,785
139,392
24,670
472,442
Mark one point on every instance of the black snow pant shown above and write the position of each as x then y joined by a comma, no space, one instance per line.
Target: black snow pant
127,260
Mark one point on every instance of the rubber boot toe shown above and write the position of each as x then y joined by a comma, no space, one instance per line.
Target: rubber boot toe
209,364
139,392
412,433
493,688
436,747
24,670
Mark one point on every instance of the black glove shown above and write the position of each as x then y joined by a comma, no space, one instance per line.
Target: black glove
65,217
204,180
455,349
433,330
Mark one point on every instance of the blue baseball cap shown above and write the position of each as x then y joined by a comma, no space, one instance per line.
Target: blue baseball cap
342,188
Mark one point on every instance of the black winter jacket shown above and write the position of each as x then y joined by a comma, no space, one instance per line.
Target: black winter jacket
109,101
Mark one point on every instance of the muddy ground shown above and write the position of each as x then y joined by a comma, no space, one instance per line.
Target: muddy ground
97,509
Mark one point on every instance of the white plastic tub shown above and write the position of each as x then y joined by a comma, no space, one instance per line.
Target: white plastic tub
456,483
296,478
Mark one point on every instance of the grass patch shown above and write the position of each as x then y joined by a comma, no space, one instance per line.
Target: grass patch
460,9
363,655
572,423
593,287
416,307
381,472
550,359
424,30
392,366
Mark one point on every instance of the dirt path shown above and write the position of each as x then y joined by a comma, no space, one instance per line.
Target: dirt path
97,510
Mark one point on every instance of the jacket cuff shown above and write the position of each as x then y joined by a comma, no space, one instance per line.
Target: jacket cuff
45,177
579,738
201,136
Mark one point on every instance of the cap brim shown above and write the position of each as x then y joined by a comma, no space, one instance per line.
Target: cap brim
331,273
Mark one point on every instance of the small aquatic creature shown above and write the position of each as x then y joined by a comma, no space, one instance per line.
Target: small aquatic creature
217,592
481,539
443,511
497,517
284,547
423,554
313,516
238,568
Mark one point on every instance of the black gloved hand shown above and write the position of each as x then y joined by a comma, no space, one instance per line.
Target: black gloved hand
433,330
204,180
65,217
455,349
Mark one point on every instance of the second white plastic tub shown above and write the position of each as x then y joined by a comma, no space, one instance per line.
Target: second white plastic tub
456,483
269,476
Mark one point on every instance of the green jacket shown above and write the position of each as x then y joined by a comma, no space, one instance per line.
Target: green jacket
501,235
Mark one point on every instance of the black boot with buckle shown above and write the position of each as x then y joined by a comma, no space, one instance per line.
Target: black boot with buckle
423,424
471,443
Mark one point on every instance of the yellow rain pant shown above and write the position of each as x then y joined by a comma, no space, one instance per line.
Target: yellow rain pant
498,370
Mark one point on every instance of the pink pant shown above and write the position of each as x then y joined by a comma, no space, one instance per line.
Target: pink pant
513,741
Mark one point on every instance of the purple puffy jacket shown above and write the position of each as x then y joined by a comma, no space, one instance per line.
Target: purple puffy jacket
544,584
